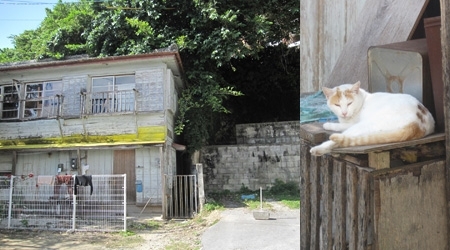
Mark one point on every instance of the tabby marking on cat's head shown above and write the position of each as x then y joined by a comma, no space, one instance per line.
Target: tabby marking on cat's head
344,101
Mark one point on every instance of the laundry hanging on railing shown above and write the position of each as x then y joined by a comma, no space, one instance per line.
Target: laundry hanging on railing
82,180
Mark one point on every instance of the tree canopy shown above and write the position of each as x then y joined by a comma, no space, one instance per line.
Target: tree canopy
218,40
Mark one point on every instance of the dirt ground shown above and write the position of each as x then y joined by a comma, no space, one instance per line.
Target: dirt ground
154,234
144,234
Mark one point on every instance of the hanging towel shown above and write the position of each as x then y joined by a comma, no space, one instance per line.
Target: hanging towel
64,179
83,180
45,180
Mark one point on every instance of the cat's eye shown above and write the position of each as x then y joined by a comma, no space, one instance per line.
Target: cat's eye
350,103
337,105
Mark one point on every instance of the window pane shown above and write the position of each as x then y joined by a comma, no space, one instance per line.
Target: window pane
125,82
51,100
102,84
10,107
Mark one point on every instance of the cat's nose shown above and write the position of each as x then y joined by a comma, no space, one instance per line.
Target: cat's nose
344,114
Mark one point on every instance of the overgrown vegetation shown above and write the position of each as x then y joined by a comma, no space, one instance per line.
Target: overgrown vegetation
288,193
237,66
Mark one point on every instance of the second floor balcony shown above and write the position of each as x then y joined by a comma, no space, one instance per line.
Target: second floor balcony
119,101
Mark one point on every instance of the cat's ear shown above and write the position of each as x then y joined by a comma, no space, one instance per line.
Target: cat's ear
356,86
327,92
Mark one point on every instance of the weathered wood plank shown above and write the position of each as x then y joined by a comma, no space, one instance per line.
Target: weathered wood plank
376,212
413,208
379,160
365,236
316,193
305,196
445,44
359,160
326,173
380,22
313,132
339,205
325,27
352,206
385,147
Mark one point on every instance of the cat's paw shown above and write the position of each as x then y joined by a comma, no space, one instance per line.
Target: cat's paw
318,151
328,126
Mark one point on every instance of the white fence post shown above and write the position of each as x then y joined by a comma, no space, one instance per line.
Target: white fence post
124,202
11,184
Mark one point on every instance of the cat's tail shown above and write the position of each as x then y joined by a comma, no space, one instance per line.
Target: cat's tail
409,132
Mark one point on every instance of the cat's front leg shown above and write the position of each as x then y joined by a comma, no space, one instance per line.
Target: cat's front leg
323,148
336,126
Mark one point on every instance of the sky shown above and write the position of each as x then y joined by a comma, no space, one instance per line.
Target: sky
16,16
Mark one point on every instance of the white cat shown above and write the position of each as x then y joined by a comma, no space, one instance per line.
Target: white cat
373,118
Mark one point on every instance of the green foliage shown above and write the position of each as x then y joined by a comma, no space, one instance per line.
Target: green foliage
212,36
281,188
245,190
127,233
256,204
147,225
211,206
24,222
292,204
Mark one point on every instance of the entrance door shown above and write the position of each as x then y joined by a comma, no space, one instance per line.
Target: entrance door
124,163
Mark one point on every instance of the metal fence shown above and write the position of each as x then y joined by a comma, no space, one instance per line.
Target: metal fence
51,203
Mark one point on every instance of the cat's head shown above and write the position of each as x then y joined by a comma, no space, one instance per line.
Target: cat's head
344,100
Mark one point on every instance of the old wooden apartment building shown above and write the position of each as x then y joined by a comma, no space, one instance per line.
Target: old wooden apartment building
93,116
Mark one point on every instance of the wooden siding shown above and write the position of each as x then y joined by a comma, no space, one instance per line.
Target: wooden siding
325,27
145,128
335,37
100,161
346,206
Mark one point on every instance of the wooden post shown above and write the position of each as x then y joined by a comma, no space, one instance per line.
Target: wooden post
379,160
445,41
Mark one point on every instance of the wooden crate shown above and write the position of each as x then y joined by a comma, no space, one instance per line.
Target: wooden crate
373,197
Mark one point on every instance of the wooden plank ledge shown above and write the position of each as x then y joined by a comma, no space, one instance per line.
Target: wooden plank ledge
384,147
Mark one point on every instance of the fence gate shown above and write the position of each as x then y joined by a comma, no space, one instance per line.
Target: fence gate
181,196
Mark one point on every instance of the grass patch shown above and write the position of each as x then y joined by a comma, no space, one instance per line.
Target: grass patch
211,206
256,204
147,225
292,204
287,193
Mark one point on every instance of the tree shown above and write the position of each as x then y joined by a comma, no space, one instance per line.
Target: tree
210,35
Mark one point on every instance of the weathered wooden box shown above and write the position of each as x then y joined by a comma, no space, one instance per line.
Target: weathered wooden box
380,197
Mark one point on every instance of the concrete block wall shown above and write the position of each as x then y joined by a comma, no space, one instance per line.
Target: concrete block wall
268,133
266,152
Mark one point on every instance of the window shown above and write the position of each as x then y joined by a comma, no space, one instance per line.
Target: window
113,94
10,101
39,100
42,99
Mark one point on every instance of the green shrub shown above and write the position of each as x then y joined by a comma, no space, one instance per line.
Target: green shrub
289,188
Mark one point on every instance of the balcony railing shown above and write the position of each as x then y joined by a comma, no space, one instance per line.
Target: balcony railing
121,101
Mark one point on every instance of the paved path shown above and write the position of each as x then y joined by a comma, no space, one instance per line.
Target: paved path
238,230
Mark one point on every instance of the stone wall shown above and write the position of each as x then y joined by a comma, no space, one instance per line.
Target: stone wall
265,152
